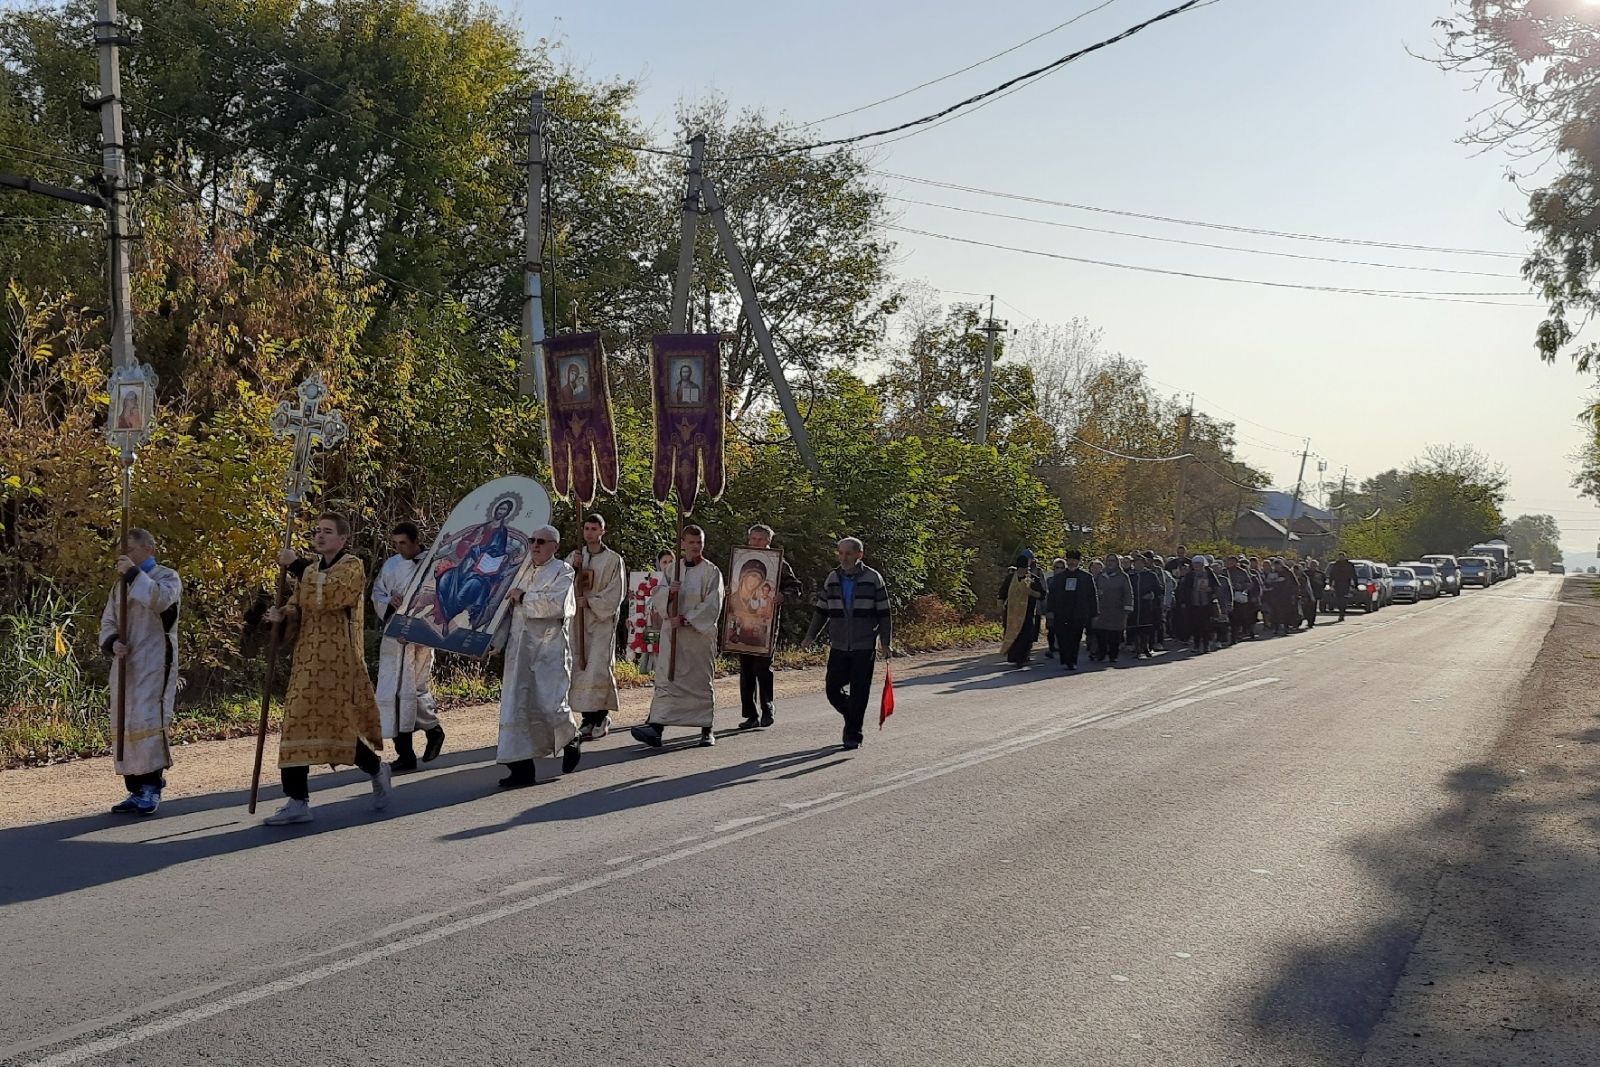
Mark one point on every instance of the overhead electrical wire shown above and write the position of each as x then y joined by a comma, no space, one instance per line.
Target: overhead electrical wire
1463,297
1285,234
956,73
1198,244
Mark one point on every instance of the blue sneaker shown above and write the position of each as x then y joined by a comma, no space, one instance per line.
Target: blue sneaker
129,806
148,800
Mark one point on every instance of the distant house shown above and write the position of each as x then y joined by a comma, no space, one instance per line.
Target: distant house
1260,531
1278,506
1316,537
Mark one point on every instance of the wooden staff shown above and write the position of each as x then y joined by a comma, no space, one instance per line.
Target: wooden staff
672,601
585,580
274,642
122,610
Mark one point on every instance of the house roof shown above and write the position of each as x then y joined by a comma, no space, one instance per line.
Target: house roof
1278,505
1271,526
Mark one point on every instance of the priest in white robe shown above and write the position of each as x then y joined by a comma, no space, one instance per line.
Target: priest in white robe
690,609
601,576
535,718
147,649
406,702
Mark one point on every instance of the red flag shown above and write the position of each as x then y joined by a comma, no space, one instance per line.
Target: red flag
886,708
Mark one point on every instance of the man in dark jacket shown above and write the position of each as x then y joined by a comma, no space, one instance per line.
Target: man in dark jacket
1342,576
755,672
1071,600
1148,591
853,609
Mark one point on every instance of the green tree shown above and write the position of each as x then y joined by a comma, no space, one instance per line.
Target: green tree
1536,538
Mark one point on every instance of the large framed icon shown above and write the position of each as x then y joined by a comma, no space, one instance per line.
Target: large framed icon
458,600
750,617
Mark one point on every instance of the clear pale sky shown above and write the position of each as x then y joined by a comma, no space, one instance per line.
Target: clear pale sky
1290,116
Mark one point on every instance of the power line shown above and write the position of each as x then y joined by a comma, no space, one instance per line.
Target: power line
1287,235
1468,297
927,121
1197,244
956,73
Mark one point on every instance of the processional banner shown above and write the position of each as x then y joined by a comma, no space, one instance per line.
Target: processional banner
687,373
458,599
583,438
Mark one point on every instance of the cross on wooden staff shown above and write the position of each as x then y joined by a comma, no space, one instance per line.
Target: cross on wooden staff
311,430
132,393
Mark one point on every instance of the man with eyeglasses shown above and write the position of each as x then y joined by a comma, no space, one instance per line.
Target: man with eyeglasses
689,607
535,718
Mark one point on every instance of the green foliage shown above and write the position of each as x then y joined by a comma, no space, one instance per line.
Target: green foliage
1536,538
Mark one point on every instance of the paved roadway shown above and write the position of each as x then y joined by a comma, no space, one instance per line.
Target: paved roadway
1200,860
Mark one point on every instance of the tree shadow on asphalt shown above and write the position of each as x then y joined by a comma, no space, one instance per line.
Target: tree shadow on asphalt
654,789
1323,1000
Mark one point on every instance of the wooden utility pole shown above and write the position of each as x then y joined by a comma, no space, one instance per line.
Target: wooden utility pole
108,38
690,224
1183,475
533,377
991,329
1299,484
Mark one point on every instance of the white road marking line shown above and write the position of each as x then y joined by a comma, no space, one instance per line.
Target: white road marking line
686,840
531,883
1173,705
734,824
801,805
618,860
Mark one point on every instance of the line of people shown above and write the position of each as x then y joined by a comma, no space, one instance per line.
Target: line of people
1138,603
557,692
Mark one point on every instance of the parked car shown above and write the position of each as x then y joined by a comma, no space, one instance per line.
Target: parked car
1366,594
1558,568
1428,587
1498,553
1524,566
1385,578
1449,573
1477,570
1405,587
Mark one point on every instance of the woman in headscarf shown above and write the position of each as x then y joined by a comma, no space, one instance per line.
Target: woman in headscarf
1021,594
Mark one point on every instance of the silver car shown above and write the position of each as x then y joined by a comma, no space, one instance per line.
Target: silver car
1429,585
1403,586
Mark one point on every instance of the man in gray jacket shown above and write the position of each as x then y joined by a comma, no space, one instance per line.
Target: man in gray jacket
854,606
1116,603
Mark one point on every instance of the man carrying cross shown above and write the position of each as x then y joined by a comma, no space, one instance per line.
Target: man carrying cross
148,652
330,713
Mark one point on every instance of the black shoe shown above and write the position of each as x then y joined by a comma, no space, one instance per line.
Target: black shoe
570,757
851,742
522,775
648,734
407,761
1070,666
708,737
766,717
435,744
749,722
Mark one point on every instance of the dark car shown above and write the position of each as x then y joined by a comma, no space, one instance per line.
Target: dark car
1558,568
1449,573
1477,570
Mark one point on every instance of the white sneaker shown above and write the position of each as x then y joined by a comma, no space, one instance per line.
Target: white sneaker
293,811
380,788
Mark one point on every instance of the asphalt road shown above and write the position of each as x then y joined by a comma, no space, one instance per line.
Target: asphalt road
1169,863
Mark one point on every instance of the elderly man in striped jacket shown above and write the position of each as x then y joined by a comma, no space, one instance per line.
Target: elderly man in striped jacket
854,606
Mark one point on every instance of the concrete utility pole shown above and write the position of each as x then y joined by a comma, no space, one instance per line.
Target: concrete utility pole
992,329
532,378
690,226
1299,484
108,38
757,320
1183,475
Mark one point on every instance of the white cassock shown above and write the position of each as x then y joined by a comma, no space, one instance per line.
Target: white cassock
152,666
405,671
686,699
535,718
594,686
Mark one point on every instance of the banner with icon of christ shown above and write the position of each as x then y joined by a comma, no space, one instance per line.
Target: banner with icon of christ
583,437
687,374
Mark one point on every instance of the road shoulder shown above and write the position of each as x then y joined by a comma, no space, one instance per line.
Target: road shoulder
1504,972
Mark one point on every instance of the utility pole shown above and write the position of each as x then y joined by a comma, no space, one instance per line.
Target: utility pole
1183,476
992,329
690,224
758,322
1338,512
1299,484
533,378
108,38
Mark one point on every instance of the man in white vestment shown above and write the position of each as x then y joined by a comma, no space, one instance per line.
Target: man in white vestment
405,671
601,576
535,718
148,651
690,608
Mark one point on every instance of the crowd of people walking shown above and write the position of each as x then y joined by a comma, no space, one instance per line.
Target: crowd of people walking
1137,605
